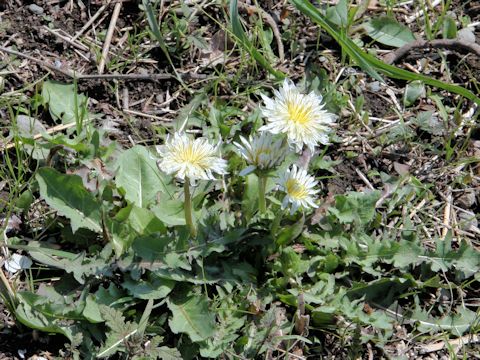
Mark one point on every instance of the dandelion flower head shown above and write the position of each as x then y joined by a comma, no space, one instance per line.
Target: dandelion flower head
300,116
299,188
193,159
261,152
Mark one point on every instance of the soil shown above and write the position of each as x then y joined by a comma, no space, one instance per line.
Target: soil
18,342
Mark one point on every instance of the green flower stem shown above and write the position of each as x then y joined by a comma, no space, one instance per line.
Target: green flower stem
188,208
276,222
262,203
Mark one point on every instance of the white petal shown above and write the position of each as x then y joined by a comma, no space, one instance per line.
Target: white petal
300,116
249,169
195,159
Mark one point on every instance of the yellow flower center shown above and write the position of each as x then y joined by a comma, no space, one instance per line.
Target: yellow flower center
189,155
298,114
296,190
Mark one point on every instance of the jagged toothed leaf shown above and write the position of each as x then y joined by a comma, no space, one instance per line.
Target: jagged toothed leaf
120,331
407,253
166,353
467,260
155,351
355,207
192,316
457,324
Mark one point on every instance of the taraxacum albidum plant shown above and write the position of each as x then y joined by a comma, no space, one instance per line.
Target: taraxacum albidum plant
302,120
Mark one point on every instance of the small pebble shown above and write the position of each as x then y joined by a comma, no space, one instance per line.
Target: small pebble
374,86
34,8
468,221
350,71
467,200
466,35
21,353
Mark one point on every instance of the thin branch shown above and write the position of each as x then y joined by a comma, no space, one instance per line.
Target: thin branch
67,39
91,21
456,343
420,13
79,76
52,130
453,44
54,68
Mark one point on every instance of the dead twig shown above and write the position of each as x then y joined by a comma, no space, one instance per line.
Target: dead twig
364,179
44,64
52,130
108,37
79,76
67,39
139,77
149,116
447,214
124,76
420,13
452,44
455,343
91,21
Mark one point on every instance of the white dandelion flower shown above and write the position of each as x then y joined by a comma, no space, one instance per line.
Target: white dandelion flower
261,152
193,159
299,189
300,116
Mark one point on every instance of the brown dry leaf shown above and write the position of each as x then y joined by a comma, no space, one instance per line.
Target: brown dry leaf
301,324
454,343
298,352
112,126
284,14
90,182
13,223
216,52
92,173
401,169
322,209
467,200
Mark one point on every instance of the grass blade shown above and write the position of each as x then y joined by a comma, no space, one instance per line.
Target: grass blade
155,29
243,40
369,63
